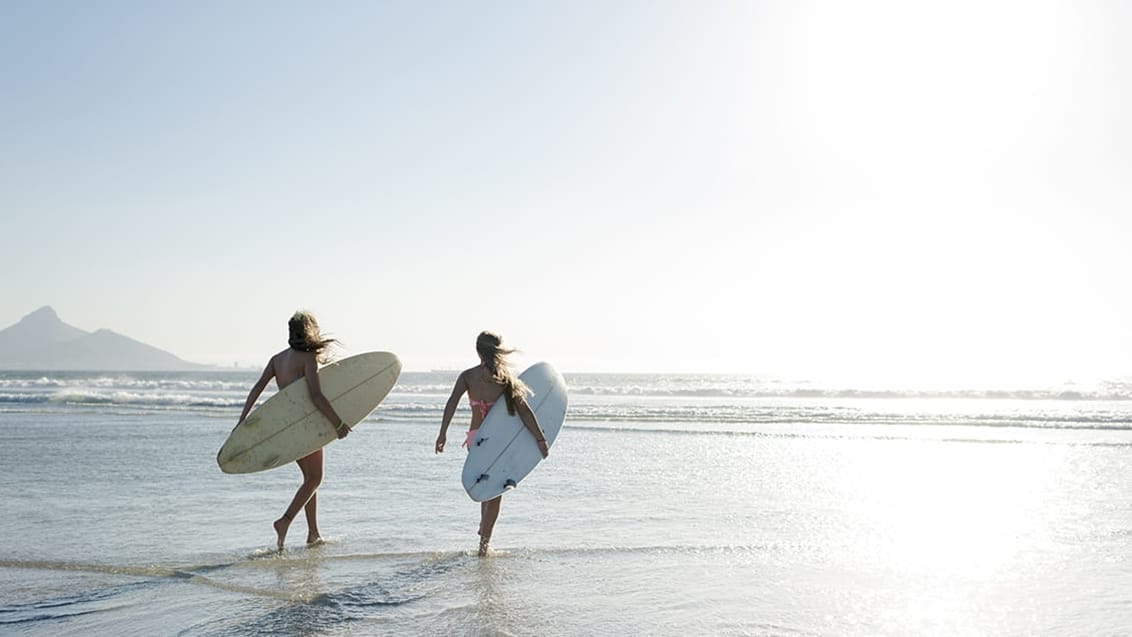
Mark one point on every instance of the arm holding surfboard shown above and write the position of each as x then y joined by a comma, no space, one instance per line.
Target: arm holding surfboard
319,400
531,423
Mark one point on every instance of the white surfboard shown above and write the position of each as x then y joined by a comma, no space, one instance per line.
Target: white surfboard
288,426
503,452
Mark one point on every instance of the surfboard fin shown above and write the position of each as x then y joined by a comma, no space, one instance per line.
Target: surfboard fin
480,441
483,476
510,484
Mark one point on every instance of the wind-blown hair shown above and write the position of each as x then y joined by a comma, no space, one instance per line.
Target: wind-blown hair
494,358
305,336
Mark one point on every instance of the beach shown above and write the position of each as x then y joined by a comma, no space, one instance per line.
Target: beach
670,505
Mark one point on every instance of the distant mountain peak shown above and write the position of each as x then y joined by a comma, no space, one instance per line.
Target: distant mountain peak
43,314
40,327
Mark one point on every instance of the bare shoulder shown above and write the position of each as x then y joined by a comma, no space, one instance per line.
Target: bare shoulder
280,359
292,362
474,376
462,379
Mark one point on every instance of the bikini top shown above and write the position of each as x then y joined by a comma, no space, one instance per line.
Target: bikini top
484,405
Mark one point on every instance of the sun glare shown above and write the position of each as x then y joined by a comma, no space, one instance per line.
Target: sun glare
956,508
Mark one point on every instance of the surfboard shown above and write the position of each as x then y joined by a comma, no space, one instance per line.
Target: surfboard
288,426
503,452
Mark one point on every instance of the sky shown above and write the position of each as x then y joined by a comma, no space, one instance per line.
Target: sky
919,192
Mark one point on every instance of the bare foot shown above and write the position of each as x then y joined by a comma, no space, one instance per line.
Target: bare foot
484,541
314,540
281,525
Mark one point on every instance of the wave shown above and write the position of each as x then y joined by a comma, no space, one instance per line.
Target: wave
993,438
424,390
94,398
119,398
1121,394
124,382
756,415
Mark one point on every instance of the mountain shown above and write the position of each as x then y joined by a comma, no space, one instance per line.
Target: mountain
41,340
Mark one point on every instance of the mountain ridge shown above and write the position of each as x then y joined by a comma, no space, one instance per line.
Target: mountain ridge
42,341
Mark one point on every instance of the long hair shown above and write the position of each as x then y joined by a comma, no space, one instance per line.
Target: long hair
305,336
494,358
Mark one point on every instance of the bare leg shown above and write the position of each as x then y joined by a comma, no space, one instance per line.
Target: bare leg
311,510
489,513
311,466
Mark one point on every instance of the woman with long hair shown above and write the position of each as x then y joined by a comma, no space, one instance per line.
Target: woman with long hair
307,349
485,384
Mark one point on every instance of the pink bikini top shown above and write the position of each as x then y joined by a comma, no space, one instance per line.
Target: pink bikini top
484,405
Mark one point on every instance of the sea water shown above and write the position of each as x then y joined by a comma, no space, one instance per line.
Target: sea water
670,505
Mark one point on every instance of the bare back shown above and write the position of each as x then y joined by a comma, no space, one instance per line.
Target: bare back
481,386
290,365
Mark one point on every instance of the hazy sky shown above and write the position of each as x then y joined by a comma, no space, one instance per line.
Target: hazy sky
920,191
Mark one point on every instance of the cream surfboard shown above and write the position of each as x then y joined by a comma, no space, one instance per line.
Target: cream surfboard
503,451
288,426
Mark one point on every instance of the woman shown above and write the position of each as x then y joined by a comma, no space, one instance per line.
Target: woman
485,384
307,349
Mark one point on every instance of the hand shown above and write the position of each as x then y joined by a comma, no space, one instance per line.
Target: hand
343,430
543,447
440,440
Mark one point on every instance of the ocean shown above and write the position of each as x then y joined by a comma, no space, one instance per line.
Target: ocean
670,505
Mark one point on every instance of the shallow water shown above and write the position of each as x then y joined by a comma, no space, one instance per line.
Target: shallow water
117,521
